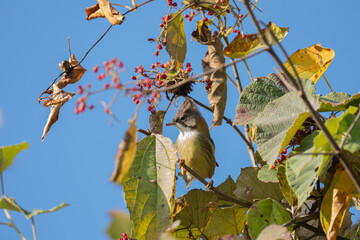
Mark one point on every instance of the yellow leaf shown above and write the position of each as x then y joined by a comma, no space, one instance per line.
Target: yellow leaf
104,9
311,62
240,46
126,153
335,203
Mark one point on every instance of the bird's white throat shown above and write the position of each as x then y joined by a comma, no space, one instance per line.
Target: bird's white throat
185,135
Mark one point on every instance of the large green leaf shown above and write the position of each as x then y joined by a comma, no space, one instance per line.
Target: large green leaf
8,153
265,213
240,46
10,204
277,124
249,187
256,96
175,40
303,170
285,187
149,186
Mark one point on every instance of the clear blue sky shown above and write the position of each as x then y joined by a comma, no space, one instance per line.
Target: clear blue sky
75,161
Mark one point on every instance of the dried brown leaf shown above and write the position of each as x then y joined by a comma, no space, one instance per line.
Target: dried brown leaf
104,9
156,121
217,96
56,101
74,75
126,153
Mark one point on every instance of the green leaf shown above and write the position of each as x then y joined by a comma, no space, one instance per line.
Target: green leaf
8,153
277,124
240,46
275,232
304,169
10,204
338,101
256,96
175,40
195,214
249,187
265,213
120,223
267,174
149,186
288,193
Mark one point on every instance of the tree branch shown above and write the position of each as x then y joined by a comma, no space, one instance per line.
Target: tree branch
241,202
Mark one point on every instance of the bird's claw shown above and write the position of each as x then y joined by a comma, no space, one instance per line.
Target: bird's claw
210,185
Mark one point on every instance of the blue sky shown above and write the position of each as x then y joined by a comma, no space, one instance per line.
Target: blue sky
75,161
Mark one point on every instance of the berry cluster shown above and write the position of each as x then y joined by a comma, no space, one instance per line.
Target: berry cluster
280,159
208,84
124,237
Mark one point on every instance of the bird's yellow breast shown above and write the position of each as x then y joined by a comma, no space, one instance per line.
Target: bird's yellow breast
197,151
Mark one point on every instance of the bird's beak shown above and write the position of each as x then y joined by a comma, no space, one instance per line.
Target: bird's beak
170,123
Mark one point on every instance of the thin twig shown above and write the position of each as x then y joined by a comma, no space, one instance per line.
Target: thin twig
11,224
227,121
235,70
327,82
241,202
211,71
69,47
249,72
143,132
33,228
341,145
299,88
232,81
136,7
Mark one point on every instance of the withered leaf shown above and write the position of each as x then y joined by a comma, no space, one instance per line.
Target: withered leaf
217,96
56,101
156,121
126,153
104,9
202,34
74,75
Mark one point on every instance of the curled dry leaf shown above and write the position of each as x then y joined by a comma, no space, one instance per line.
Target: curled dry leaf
156,121
217,95
104,9
56,101
202,33
126,153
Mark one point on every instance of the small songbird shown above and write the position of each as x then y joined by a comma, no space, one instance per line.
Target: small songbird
194,144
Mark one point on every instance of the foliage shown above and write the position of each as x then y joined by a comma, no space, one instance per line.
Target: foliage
307,146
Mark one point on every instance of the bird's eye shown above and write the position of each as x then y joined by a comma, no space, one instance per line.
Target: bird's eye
183,117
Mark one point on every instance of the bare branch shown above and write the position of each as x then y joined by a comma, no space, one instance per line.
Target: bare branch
241,202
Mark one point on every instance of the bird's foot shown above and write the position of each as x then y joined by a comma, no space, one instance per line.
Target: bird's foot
210,185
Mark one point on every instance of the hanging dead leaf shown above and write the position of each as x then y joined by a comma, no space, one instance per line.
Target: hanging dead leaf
156,121
240,46
310,62
202,34
335,203
126,153
104,9
56,101
72,76
217,95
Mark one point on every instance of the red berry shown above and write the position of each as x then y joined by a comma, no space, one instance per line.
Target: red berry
159,47
107,68
137,101
235,31
133,77
284,151
149,108
159,82
278,161
174,4
283,157
113,60
205,19
157,53
228,10
152,66
186,16
95,69
161,25
153,111
107,85
76,111
133,89
244,35
188,64
101,76
208,80
210,13
135,69
190,19
91,107
189,69
216,33
120,64
273,166
222,1
241,15
89,86
107,110
81,91
216,6
151,99
106,63
118,85
163,76
150,39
